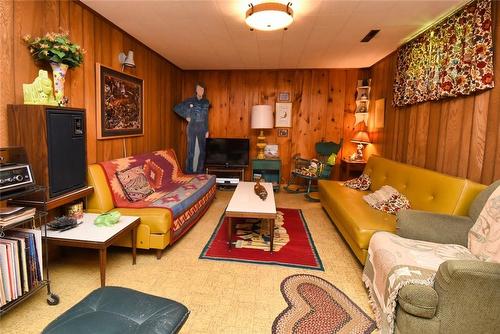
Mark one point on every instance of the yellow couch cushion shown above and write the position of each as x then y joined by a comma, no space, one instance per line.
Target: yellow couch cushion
101,200
425,189
358,219
159,220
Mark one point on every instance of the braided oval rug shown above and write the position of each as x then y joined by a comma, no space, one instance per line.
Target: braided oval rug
316,306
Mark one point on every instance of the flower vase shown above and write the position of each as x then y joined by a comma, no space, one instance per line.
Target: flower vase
59,73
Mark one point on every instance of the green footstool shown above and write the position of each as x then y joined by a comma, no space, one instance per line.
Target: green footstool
119,310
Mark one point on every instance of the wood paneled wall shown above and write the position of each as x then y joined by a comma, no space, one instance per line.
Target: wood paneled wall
323,106
457,136
103,42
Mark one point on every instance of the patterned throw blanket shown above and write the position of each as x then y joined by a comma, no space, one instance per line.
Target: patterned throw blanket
394,262
184,195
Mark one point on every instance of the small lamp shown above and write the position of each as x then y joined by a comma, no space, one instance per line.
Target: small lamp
361,138
262,118
126,60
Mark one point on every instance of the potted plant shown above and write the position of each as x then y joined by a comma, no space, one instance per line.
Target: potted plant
58,50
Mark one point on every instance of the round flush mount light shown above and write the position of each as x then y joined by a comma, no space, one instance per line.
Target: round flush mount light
269,16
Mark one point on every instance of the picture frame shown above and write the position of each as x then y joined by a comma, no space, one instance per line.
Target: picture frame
282,132
120,104
271,151
284,97
283,117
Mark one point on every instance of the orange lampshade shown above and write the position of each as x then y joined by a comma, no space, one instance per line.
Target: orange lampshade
361,137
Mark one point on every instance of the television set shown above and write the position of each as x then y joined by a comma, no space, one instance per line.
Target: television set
227,152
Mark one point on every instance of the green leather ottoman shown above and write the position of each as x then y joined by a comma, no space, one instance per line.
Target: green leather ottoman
120,310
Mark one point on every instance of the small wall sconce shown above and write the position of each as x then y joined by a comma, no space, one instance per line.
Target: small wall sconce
126,60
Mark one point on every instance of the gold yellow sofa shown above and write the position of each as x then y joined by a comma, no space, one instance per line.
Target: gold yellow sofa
426,190
159,226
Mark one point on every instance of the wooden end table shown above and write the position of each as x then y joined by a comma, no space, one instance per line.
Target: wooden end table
246,204
87,235
352,169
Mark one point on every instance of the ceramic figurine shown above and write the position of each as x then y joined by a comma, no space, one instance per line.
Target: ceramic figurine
40,91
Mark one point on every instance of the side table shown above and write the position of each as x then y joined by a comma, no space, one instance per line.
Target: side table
270,169
351,169
87,235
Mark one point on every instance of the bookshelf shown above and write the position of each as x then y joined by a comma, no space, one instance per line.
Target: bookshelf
28,281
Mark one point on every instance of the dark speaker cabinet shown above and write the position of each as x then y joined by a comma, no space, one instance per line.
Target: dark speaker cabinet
54,139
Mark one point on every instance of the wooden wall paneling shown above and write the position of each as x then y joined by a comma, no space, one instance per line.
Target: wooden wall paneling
238,109
7,94
334,120
479,124
25,69
412,131
75,83
440,159
319,106
433,136
421,134
465,136
452,136
89,90
300,123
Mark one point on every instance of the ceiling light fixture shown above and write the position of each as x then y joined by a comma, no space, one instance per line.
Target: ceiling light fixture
269,16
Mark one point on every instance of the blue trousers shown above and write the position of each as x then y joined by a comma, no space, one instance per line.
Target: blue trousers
195,130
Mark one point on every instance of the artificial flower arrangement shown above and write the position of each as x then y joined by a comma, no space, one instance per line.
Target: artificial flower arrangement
55,48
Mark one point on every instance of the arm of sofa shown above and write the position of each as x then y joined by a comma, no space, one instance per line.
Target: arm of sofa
434,227
418,300
469,296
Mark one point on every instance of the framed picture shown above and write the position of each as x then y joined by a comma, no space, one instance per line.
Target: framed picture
282,132
120,104
271,151
283,115
283,97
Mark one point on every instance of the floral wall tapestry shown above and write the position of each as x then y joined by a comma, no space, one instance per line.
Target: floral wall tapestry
452,59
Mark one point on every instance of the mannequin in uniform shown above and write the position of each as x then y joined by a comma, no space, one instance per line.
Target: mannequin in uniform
195,111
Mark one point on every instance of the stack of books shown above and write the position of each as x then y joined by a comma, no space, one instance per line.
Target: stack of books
14,214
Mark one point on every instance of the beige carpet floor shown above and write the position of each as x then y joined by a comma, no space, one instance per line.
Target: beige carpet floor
224,297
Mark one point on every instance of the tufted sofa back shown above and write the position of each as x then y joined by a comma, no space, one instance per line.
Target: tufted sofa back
426,190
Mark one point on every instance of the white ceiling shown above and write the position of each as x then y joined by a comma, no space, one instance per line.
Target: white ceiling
212,34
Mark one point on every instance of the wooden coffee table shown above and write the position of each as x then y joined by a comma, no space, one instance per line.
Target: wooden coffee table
87,235
246,204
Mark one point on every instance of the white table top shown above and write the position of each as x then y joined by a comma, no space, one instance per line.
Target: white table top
87,231
245,200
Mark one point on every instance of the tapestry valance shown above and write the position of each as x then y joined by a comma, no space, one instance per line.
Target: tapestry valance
452,59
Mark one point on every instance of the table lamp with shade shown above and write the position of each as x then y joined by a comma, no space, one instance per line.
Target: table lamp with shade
361,138
262,118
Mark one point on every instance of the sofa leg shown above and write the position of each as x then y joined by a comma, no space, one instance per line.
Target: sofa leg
159,252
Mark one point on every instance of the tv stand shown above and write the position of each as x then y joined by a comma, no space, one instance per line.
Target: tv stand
226,176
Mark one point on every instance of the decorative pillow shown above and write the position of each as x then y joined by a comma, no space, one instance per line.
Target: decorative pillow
134,183
394,204
484,236
361,183
381,195
154,173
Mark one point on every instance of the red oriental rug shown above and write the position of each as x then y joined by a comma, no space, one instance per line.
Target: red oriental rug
316,306
293,247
